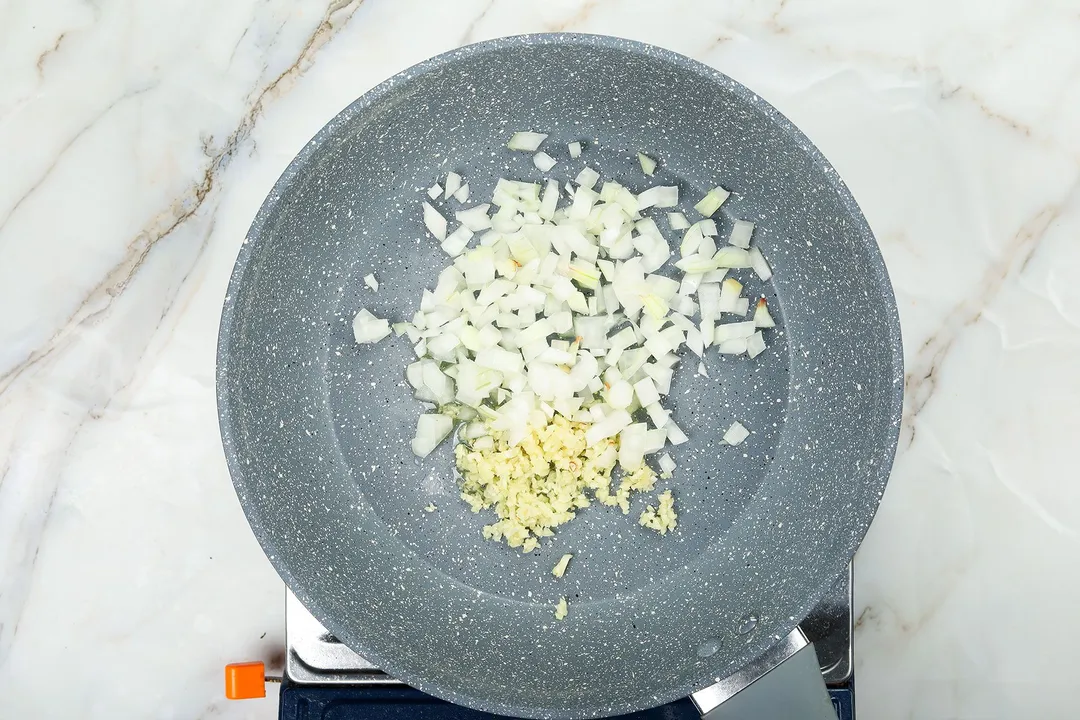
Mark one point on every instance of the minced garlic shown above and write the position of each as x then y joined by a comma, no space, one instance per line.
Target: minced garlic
662,518
561,609
544,480
560,567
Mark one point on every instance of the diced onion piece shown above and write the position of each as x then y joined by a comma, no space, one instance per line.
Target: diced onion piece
434,191
434,222
660,375
371,282
462,194
620,395
655,439
762,316
730,290
586,275
731,257
667,464
677,221
456,241
575,149
691,241
648,165
657,414
584,199
431,429
475,218
740,234
612,424
742,306
369,329
695,341
675,434
526,141
587,177
632,446
702,370
712,201
660,196
736,346
453,182
733,331
760,265
707,227
696,264
736,433
709,298
645,390
755,344
543,161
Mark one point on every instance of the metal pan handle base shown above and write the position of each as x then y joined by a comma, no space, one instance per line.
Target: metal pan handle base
784,683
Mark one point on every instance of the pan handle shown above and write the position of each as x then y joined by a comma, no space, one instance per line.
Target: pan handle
785,682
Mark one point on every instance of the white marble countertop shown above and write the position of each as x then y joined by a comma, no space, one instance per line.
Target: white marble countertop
137,141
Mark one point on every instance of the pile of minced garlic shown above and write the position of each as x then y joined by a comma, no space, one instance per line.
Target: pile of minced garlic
543,481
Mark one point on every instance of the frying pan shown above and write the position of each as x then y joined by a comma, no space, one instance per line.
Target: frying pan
316,429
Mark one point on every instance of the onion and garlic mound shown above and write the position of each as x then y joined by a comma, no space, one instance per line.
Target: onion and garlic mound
552,337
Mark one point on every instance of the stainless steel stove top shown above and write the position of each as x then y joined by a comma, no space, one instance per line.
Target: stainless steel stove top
314,656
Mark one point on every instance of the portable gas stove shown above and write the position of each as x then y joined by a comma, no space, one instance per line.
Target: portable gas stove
323,678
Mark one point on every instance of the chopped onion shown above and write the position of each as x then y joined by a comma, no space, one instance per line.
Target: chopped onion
562,308
657,414
730,290
371,282
369,329
434,191
661,196
755,344
632,446
736,433
760,265
675,434
435,222
762,316
645,390
712,201
733,331
648,165
456,241
696,264
740,234
736,346
691,241
526,141
543,161
453,182
677,221
587,177
612,424
475,218
731,257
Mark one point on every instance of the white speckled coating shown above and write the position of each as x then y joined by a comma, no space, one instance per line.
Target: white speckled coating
316,428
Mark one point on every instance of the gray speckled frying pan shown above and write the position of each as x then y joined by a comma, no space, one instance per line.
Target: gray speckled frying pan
316,429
